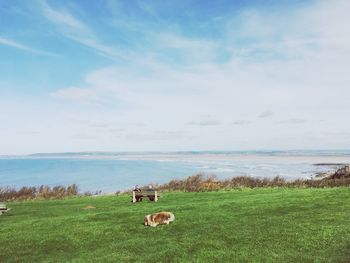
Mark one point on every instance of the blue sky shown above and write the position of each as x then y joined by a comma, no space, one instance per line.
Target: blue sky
113,75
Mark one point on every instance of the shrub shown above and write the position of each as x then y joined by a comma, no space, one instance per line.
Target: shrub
201,182
42,192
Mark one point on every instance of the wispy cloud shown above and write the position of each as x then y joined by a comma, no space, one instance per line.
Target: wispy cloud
62,18
205,123
159,136
241,122
78,94
11,43
76,30
293,121
117,130
82,136
14,44
29,132
265,114
100,124
265,67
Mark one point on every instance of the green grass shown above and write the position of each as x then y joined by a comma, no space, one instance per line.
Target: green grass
260,225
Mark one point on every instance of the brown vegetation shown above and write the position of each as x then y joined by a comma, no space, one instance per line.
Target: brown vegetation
42,192
195,183
201,183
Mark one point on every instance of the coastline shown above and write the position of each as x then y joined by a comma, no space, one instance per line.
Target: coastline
310,157
119,171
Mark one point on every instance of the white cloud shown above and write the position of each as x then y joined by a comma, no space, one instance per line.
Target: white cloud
172,40
78,94
241,122
159,136
74,29
265,114
62,18
14,44
29,132
205,123
82,136
293,121
296,67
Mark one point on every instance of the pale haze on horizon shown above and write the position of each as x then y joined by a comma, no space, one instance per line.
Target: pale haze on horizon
118,75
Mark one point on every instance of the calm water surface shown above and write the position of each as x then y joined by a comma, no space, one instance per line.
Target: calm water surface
123,172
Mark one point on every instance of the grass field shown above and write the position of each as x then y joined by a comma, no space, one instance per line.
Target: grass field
260,225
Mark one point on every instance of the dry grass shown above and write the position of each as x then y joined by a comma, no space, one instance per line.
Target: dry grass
195,183
203,183
42,192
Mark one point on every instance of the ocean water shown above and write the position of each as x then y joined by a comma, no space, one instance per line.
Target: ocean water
110,172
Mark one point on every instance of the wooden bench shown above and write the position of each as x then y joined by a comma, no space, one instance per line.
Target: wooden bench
150,194
3,208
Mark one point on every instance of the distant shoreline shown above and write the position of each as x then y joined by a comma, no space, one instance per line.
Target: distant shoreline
277,153
124,170
320,160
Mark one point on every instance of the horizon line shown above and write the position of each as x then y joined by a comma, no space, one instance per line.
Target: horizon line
174,152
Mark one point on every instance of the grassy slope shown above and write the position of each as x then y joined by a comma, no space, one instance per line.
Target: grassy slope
261,225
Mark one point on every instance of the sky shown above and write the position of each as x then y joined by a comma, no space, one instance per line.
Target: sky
113,75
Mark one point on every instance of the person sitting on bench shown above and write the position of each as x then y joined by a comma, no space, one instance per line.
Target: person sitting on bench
138,196
151,197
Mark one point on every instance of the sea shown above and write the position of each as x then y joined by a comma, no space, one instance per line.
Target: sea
111,172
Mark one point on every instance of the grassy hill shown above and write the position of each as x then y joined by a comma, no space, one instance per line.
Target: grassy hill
259,225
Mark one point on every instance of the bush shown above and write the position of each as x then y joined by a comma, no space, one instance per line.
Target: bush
42,192
201,182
